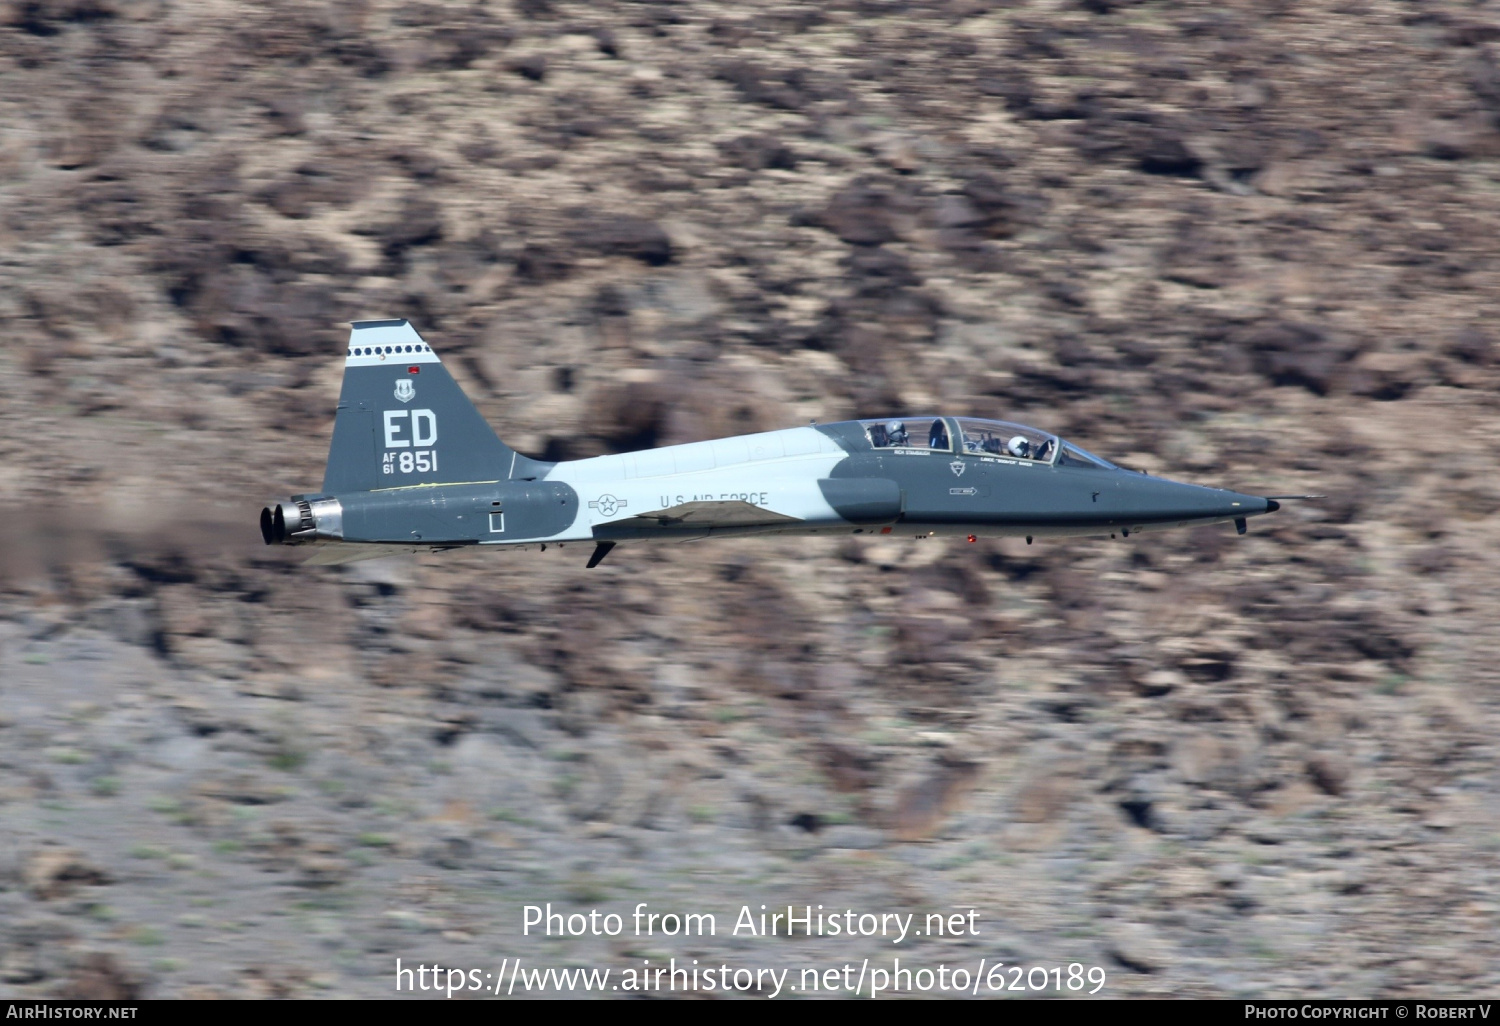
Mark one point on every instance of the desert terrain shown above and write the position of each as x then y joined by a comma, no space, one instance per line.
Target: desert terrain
1248,243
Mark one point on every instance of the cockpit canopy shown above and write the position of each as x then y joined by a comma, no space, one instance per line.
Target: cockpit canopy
909,433
1002,438
974,437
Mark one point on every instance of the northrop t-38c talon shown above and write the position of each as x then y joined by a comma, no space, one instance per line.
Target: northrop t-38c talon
414,466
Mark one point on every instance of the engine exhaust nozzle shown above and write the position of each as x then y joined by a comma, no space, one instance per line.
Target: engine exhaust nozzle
298,520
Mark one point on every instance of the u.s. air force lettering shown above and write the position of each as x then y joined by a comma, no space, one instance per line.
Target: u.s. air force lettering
753,498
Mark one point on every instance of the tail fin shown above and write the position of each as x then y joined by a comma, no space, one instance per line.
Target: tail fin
402,420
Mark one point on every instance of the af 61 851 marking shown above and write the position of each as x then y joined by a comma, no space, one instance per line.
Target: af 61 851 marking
421,461
409,459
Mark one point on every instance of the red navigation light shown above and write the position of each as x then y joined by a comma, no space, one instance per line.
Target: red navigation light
414,370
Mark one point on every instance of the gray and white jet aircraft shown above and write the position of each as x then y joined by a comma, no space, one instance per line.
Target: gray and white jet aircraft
414,466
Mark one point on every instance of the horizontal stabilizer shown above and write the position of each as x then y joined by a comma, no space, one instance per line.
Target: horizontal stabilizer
337,555
727,513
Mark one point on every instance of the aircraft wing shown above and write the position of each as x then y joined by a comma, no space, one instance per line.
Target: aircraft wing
727,513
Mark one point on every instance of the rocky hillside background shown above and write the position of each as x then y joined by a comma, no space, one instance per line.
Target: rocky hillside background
1249,243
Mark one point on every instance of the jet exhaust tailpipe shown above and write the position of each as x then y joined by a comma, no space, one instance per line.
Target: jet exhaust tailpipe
297,521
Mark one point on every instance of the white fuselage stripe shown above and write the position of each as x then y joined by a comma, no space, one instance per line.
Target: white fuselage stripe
777,471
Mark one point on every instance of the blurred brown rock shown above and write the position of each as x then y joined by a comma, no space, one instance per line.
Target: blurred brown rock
100,976
922,807
57,872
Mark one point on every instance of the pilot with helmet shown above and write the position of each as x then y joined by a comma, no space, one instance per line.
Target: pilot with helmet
895,433
1019,447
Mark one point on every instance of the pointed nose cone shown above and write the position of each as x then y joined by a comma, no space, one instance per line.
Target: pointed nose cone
1158,500
1245,505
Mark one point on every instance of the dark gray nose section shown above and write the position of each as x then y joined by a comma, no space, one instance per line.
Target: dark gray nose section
1158,500
1245,505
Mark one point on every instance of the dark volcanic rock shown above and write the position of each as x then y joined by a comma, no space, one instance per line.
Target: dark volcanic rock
538,264
532,66
632,237
758,152
783,90
1296,354
861,214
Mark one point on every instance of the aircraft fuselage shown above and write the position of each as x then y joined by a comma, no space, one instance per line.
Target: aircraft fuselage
819,479
414,465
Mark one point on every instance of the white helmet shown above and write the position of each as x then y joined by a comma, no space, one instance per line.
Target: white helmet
1018,446
895,430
